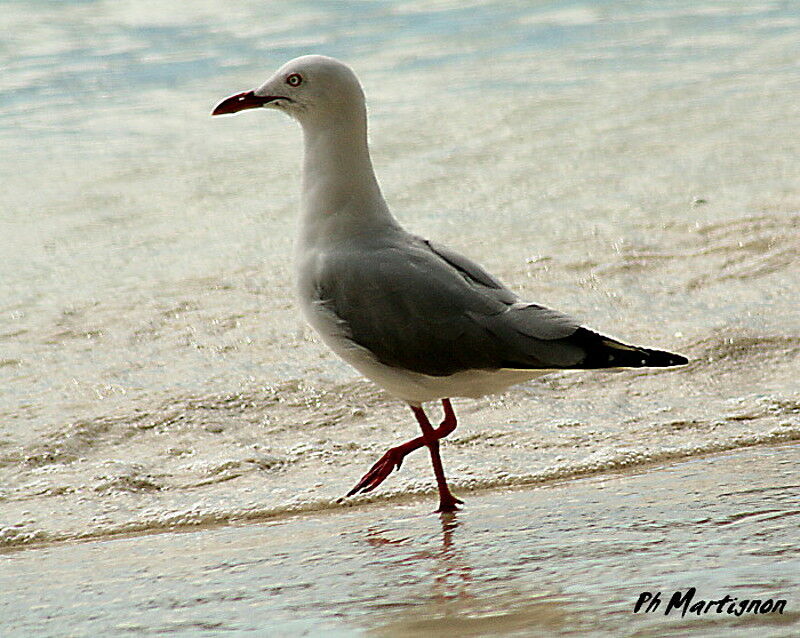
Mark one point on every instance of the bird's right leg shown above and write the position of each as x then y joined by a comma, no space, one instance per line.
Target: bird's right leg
447,502
393,458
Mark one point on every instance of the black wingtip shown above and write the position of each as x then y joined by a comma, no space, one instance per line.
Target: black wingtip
663,359
604,352
638,358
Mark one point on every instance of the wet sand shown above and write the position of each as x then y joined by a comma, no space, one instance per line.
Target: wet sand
567,558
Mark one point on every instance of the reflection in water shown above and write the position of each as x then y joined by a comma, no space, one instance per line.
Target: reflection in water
450,570
452,573
454,599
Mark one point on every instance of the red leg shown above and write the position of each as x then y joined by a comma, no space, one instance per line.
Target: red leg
393,458
447,502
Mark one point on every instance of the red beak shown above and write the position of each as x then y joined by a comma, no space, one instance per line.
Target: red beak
242,101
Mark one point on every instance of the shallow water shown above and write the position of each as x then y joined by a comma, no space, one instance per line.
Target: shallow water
566,559
633,164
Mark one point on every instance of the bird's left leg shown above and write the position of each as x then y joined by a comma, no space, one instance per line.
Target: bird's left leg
393,458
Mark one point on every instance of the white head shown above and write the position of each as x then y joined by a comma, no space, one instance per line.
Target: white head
312,89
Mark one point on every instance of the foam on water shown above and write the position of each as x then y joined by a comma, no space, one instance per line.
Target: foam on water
633,166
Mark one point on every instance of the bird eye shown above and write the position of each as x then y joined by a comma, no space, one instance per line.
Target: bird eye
295,79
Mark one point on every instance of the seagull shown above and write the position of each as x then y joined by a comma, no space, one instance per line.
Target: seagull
415,317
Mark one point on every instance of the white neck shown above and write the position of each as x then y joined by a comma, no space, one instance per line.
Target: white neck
341,197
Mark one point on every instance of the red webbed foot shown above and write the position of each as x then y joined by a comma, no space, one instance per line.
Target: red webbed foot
448,503
390,461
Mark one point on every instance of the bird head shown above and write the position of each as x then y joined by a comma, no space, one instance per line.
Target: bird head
309,88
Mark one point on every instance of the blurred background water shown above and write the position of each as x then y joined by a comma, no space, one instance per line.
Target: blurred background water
631,163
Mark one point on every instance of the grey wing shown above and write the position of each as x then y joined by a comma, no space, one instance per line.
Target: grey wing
425,308
538,337
530,319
